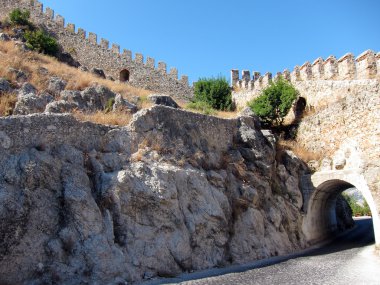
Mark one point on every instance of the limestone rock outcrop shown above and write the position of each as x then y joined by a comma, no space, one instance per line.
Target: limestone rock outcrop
165,100
4,85
55,99
172,192
123,105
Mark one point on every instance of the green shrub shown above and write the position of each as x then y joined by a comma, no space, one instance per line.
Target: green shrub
216,92
201,106
274,102
40,41
109,105
18,17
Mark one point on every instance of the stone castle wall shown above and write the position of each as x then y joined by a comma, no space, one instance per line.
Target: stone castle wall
354,121
320,83
344,118
86,49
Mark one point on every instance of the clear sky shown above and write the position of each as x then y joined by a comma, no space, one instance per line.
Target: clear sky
205,38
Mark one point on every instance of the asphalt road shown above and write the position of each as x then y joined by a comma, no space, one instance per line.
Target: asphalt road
348,259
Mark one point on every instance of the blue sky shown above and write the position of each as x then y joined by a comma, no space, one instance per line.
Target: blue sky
204,38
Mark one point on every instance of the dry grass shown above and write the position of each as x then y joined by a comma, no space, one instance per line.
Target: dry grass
150,147
138,156
227,114
144,148
7,103
100,117
299,151
220,114
32,64
144,103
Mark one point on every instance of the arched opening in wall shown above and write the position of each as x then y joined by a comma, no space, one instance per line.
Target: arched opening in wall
124,75
300,107
328,212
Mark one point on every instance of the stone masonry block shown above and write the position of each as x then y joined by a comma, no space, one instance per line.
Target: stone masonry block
81,33
366,65
306,71
60,20
185,80
317,68
71,28
38,7
162,67
150,62
173,73
347,67
127,55
295,75
93,38
330,67
49,13
104,43
234,76
115,49
139,58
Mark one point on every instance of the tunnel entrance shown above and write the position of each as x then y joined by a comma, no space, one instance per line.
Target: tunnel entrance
321,215
124,75
321,220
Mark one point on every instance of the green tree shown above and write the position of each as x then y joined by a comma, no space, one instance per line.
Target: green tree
19,17
216,92
274,102
40,41
357,209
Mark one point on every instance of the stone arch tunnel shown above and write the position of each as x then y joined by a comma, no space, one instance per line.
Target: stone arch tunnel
320,192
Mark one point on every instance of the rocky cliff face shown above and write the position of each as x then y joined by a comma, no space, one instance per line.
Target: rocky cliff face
172,192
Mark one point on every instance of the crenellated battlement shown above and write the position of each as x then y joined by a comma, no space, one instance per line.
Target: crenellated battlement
366,66
92,53
320,72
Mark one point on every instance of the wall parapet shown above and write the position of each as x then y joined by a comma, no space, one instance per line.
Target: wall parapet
347,67
57,24
319,82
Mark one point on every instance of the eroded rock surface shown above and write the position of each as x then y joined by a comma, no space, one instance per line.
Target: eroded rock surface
55,99
161,99
172,192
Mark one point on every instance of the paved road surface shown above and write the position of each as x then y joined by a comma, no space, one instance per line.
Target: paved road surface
349,259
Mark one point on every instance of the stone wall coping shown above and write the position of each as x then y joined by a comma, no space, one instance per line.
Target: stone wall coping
346,57
338,71
364,55
306,64
319,60
331,58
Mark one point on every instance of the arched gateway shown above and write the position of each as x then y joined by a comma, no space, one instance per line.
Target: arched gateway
124,75
320,191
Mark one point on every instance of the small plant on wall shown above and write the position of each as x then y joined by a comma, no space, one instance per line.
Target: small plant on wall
19,18
40,41
36,39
